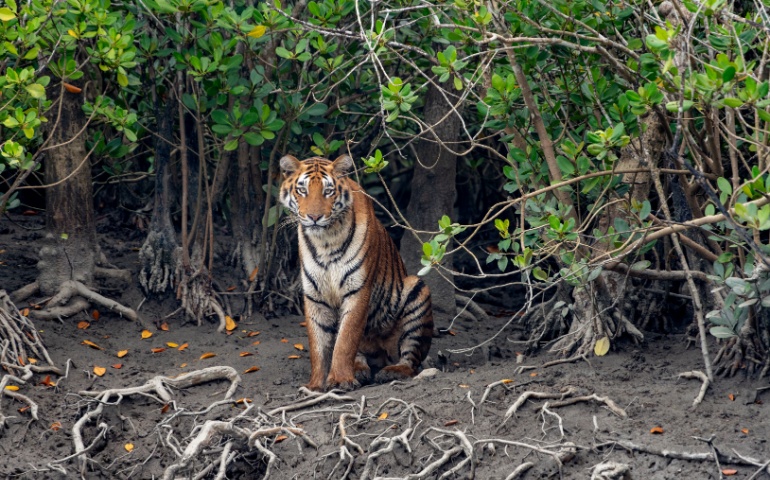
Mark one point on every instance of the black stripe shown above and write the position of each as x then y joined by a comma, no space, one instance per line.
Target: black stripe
350,272
311,247
414,293
311,279
346,244
415,309
319,302
407,333
352,292
330,329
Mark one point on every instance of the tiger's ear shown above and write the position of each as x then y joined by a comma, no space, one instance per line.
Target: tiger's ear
342,164
289,165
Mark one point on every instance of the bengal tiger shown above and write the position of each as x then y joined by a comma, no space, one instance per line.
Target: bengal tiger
366,319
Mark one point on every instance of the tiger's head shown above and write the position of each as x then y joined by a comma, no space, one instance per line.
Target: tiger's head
315,190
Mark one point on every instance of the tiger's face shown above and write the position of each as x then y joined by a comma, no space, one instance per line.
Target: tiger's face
313,190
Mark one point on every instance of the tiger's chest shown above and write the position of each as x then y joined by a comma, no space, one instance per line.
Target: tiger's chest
333,265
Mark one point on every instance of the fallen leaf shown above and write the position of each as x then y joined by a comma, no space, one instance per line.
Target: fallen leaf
129,447
253,274
71,88
164,326
456,364
83,325
506,381
383,416
472,371
280,438
24,312
451,422
95,315
729,472
231,288
21,361
92,344
251,370
462,385
294,357
492,249
452,332
12,388
244,400
283,340
122,353
245,354
255,343
299,346
48,382
303,324
32,360
28,213
55,426
23,409
182,365
117,365
172,344
731,397
157,350
252,334
208,355
146,334
183,346
602,347
165,408
99,371
745,431
230,324
656,430
533,374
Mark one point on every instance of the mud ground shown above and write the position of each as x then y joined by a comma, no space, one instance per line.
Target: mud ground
642,380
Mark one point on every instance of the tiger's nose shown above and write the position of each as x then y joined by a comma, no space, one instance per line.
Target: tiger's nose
314,218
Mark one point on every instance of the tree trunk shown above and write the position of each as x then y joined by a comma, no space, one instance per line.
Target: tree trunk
158,255
70,251
246,202
433,191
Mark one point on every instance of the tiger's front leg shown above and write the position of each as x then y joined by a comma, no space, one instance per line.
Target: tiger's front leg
321,332
353,315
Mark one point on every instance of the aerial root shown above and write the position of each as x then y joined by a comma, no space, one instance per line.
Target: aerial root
72,297
697,374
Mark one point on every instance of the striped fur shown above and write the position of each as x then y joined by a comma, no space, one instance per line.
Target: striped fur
366,319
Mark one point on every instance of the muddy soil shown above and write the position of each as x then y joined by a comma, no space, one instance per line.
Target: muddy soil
641,380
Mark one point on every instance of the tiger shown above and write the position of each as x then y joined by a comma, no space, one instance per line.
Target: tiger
366,320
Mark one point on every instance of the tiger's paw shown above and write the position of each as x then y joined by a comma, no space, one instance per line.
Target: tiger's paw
394,372
345,383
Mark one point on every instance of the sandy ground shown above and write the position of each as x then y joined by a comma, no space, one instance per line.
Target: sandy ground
559,441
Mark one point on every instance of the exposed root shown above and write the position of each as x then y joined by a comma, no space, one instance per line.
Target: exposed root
20,345
566,397
469,309
158,257
703,378
610,471
157,388
197,296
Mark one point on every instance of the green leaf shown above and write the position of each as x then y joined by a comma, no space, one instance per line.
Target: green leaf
540,274
424,271
32,54
231,145
565,165
728,74
122,80
674,106
282,52
724,185
722,332
641,265
35,90
733,102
